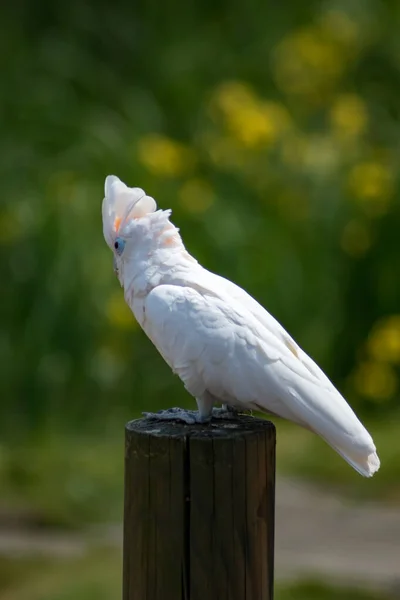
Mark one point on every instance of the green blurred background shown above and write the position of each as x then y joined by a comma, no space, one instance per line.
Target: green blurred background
272,131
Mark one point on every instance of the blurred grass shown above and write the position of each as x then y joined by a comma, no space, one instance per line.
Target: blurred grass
64,480
315,591
69,481
302,454
98,576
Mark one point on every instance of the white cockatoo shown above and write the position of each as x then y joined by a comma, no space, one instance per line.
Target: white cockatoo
226,348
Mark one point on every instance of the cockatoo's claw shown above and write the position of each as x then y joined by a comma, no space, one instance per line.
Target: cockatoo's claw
229,412
224,413
190,417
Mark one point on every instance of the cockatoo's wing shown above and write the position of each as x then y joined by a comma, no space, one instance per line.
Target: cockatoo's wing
266,319
217,345
225,289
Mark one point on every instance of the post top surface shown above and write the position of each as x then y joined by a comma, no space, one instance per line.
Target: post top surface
236,426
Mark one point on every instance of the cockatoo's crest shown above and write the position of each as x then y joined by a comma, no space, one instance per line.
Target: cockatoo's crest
121,204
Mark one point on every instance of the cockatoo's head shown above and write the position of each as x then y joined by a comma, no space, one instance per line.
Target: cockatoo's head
132,225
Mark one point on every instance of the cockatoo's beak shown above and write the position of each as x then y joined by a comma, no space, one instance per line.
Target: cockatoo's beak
118,273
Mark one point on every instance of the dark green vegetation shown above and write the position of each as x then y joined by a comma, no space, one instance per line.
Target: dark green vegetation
272,131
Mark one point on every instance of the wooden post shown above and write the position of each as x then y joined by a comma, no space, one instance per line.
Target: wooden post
199,510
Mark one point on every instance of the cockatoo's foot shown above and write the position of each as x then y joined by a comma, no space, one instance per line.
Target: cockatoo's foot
190,417
228,412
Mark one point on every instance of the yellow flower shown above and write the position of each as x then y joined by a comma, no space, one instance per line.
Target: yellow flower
118,312
248,119
371,183
349,116
356,238
258,125
384,341
232,95
165,157
308,61
375,380
196,195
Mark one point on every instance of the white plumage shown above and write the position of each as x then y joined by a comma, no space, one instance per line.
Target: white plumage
223,344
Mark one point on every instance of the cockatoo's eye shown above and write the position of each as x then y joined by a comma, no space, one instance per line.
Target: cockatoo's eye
119,245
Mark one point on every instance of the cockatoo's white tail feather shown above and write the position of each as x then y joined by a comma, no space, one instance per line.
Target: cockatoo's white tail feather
365,465
121,204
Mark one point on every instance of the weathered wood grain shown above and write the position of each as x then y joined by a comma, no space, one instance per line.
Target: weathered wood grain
199,510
